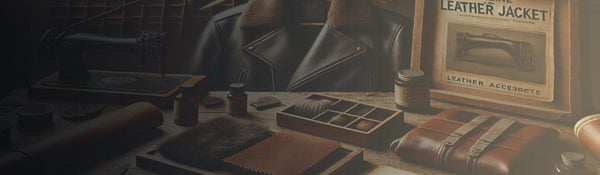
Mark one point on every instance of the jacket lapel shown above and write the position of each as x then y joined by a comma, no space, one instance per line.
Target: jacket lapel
276,49
330,49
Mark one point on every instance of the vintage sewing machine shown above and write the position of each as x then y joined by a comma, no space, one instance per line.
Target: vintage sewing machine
520,51
74,81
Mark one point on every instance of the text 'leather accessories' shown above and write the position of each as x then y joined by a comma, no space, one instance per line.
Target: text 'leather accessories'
587,130
474,143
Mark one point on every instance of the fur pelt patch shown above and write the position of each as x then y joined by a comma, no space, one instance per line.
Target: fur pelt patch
354,14
208,143
262,13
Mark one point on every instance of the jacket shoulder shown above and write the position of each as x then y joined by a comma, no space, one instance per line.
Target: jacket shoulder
405,8
229,13
393,18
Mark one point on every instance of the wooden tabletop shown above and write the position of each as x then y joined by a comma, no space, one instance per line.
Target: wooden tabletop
267,117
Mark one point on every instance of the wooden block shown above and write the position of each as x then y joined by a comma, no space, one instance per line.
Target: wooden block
40,90
154,161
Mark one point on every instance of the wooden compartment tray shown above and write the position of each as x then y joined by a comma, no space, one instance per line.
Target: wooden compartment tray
382,122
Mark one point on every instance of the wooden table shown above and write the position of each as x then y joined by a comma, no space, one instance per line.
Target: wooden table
267,117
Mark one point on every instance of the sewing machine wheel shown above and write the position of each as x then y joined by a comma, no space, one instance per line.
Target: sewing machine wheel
48,48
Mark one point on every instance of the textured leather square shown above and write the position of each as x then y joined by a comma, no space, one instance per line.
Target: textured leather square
284,153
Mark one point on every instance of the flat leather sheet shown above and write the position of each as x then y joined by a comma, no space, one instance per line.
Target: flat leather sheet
284,153
125,82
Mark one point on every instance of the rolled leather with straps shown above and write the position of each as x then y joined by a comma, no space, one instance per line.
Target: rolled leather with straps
472,143
587,130
67,151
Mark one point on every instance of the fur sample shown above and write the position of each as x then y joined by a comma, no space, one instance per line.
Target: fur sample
354,14
343,14
262,13
207,144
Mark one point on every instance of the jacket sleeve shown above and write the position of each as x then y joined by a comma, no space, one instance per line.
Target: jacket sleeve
401,48
205,58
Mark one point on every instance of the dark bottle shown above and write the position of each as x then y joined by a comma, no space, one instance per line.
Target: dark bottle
572,164
237,100
186,105
412,91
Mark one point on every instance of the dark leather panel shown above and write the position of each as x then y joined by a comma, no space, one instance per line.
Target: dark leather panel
270,58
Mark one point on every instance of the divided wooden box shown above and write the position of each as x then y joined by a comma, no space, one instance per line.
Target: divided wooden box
387,122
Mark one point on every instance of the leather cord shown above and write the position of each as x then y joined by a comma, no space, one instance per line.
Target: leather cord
486,140
457,136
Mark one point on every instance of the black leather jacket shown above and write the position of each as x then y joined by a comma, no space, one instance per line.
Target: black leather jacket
286,58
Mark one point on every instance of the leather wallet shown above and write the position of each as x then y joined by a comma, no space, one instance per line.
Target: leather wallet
472,143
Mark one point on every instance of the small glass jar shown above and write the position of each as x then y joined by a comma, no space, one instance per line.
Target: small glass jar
186,105
237,100
412,91
572,164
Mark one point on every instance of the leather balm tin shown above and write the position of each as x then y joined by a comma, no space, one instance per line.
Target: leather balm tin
412,91
35,116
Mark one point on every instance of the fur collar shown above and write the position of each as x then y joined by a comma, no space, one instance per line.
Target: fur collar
343,14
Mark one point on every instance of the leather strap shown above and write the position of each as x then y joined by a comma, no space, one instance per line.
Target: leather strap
486,140
458,135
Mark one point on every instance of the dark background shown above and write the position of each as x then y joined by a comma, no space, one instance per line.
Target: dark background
26,20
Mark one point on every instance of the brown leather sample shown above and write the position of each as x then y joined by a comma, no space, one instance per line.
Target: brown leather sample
587,130
284,153
472,143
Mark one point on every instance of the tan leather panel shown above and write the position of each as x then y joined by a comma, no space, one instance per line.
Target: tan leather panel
284,153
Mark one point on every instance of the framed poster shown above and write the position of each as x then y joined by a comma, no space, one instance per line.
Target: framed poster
509,55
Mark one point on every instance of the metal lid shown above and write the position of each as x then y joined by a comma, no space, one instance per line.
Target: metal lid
35,110
236,88
584,121
187,88
410,74
572,159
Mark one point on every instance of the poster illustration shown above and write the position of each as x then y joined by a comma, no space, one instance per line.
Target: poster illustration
496,46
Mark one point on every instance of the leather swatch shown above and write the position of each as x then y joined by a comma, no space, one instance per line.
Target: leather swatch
284,153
